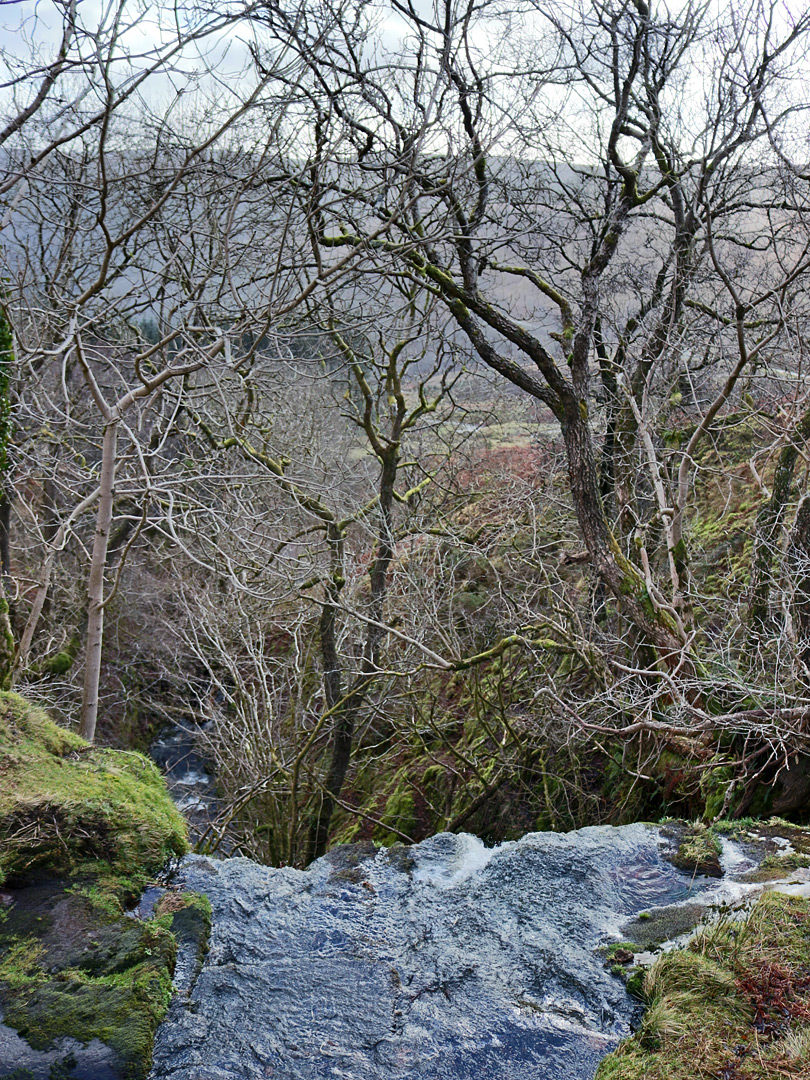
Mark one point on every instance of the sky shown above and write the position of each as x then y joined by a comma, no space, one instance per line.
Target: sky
219,68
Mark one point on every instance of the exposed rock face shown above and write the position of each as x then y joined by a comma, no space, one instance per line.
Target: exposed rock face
443,960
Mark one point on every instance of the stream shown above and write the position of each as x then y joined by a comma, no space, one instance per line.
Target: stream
191,785
446,960
443,960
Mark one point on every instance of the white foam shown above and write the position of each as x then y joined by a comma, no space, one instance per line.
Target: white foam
191,802
733,859
784,845
192,778
470,858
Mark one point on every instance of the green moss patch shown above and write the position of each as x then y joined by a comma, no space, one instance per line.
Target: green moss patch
650,929
698,850
116,995
187,916
399,817
82,830
66,806
735,1003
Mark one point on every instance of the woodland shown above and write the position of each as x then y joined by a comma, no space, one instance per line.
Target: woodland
409,398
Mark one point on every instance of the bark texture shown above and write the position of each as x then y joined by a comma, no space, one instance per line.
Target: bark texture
95,587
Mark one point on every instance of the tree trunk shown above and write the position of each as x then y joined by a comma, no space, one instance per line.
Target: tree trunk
799,566
623,579
342,726
6,632
95,589
768,524
346,713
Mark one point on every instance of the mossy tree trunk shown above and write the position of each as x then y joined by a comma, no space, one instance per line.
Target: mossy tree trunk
625,581
799,569
349,708
767,529
387,447
7,647
342,719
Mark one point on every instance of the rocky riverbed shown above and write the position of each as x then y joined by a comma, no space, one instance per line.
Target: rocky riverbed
442,960
445,960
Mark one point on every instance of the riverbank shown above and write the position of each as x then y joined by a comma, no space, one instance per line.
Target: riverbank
505,959
734,1003
84,982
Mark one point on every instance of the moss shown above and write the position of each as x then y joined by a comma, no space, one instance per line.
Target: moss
6,645
121,1011
81,832
736,1001
65,806
187,916
348,833
793,861
59,663
651,928
67,969
618,950
635,983
400,814
619,958
714,785
698,851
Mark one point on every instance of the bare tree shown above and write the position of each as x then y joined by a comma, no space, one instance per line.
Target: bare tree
235,311
390,399
471,224
139,223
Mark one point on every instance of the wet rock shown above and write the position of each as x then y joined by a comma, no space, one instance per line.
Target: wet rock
455,961
696,848
68,1058
446,960
82,830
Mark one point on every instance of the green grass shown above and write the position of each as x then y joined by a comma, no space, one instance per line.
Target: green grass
735,1003
698,851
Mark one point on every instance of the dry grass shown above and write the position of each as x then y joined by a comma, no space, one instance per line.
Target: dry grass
734,1005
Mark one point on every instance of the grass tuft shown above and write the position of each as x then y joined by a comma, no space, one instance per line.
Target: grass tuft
734,1004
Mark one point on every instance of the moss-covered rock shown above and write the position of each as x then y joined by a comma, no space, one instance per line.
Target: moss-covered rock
399,817
187,917
697,849
60,663
82,830
66,806
652,928
119,1000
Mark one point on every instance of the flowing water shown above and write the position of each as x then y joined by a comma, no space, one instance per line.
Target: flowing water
443,960
190,783
446,960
